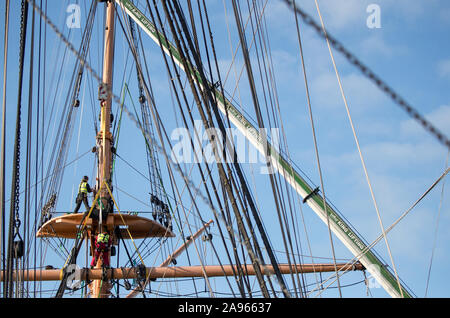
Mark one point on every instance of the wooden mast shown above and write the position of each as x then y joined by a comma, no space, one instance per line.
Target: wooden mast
100,289
104,137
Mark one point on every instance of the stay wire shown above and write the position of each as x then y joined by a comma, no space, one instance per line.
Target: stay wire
270,96
360,152
199,66
299,198
207,122
202,21
15,182
365,70
27,199
404,214
222,172
92,71
189,191
36,168
65,130
317,151
151,160
257,110
279,200
236,173
222,83
3,134
196,132
436,229
226,220
152,156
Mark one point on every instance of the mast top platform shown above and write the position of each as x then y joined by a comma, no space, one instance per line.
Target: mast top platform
67,226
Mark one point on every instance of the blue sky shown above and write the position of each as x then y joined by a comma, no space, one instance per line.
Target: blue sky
409,51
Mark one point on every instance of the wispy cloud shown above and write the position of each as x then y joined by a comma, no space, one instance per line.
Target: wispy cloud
439,117
443,68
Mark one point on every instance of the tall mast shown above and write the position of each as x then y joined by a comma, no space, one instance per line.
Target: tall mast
99,288
104,137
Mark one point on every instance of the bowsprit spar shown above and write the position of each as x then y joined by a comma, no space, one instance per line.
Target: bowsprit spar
197,198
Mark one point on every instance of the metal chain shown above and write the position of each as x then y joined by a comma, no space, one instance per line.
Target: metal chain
18,129
372,76
14,220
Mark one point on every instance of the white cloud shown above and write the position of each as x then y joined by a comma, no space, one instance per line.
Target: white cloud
439,117
443,68
408,11
338,14
361,95
375,44
444,15
342,14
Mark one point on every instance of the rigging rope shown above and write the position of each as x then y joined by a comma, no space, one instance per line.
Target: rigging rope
176,166
270,97
251,10
3,134
436,230
262,32
151,151
316,150
207,122
359,148
38,133
62,140
370,246
14,220
187,181
402,103
27,203
2,163
221,87
256,105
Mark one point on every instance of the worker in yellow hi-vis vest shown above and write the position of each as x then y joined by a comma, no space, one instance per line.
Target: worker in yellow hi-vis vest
83,190
102,246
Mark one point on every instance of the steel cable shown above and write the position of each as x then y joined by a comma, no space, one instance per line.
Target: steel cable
365,70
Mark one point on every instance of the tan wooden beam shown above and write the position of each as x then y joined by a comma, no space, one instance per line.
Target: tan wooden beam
175,271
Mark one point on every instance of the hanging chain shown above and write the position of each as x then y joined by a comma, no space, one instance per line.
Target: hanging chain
352,59
14,219
18,129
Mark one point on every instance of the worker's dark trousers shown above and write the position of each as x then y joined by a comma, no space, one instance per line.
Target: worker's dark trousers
97,254
82,197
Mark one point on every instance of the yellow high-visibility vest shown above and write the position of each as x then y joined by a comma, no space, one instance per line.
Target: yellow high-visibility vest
83,187
103,238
